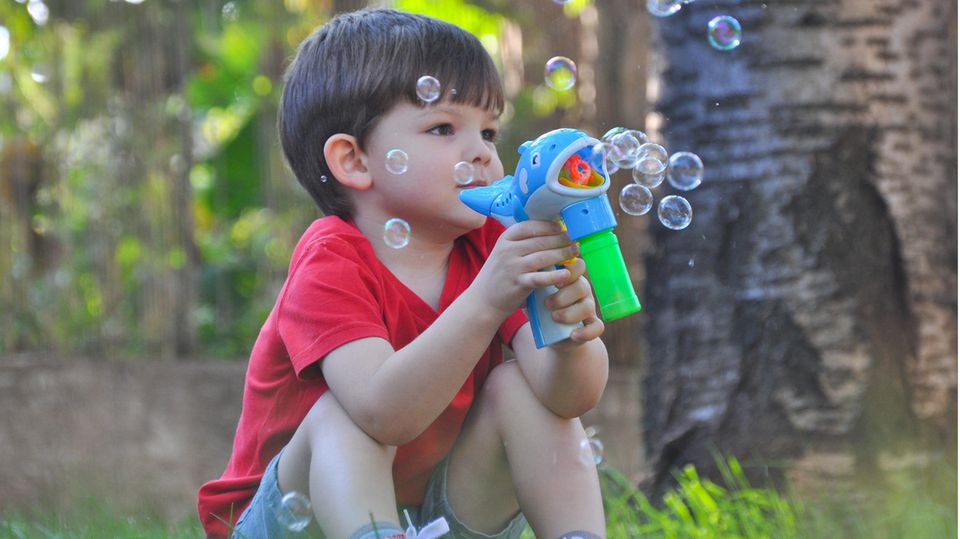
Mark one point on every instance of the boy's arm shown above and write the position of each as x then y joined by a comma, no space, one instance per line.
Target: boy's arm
394,395
568,377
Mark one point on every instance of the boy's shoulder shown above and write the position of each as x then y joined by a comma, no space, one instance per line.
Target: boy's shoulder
331,233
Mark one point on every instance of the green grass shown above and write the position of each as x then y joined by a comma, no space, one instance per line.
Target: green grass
905,507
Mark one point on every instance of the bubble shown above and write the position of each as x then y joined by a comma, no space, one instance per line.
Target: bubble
560,73
685,171
4,42
295,512
627,149
591,451
652,159
675,212
38,11
40,73
724,33
230,12
601,154
323,178
396,233
650,181
613,132
663,8
464,173
397,161
636,199
640,136
428,88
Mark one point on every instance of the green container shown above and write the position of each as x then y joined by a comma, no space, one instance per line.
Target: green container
608,275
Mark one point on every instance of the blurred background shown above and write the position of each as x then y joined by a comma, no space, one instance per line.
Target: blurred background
803,321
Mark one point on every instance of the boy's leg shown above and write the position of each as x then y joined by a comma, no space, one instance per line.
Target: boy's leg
512,454
348,474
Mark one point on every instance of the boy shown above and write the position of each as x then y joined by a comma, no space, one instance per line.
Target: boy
377,381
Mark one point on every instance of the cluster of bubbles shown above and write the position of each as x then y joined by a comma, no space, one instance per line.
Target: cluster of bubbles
591,448
650,164
723,32
295,512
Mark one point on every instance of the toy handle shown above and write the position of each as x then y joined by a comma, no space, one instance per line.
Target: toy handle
546,330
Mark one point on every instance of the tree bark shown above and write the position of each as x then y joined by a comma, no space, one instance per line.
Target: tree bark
810,310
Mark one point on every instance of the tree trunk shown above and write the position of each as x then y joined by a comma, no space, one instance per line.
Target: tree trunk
809,313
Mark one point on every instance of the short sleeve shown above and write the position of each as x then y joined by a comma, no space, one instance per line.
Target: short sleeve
331,297
511,325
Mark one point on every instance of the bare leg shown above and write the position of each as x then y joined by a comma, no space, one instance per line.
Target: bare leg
515,454
348,474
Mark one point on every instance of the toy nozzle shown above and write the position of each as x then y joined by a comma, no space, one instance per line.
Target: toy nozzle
480,199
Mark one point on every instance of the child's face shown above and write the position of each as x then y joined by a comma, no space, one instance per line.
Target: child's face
435,139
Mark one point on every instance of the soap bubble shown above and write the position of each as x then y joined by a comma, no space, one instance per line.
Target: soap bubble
428,88
295,512
4,41
627,149
591,451
685,171
636,199
464,173
396,233
230,12
603,153
675,212
614,131
560,73
650,181
38,11
663,8
724,32
397,161
40,73
641,137
653,159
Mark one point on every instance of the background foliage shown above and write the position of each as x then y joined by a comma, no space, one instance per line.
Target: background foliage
139,153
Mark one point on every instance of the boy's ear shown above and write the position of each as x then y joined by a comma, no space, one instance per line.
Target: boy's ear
347,163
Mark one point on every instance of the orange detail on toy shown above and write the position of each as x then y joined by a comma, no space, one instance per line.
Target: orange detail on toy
579,170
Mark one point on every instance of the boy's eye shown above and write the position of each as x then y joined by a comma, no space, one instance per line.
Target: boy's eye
491,135
442,129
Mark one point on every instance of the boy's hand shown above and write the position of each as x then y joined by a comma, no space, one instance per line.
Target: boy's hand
574,303
512,270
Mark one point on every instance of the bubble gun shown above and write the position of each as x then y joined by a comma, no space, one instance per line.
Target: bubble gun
560,178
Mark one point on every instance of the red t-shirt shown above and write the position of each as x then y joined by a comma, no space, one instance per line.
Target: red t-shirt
338,291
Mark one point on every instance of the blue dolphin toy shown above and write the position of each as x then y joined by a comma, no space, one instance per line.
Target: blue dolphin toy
560,177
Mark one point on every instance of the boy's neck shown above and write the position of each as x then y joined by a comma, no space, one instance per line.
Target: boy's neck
421,265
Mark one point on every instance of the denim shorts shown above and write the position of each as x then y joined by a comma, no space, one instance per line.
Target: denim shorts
259,520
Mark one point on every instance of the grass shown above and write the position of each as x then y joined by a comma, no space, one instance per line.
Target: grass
907,507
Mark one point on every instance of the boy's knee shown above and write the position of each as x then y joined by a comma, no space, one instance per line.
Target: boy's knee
506,387
327,422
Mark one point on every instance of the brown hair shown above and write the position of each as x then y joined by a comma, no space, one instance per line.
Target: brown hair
355,68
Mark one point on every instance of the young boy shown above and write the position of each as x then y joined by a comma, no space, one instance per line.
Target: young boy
377,381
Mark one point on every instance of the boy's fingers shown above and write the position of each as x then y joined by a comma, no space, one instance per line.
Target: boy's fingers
550,257
569,293
531,229
540,279
591,329
580,311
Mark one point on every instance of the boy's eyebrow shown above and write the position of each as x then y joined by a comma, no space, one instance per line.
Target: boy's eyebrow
493,115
